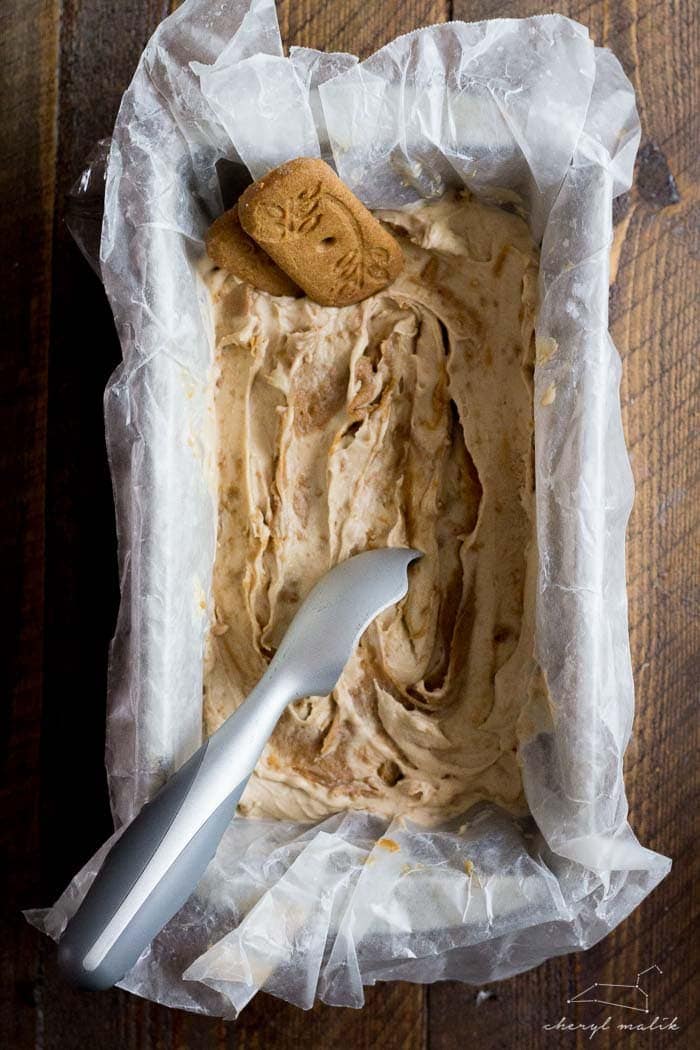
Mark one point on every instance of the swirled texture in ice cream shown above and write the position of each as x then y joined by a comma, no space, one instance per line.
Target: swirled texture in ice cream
404,420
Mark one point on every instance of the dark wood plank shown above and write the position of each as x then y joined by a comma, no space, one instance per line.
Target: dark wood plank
654,321
28,98
393,1017
355,25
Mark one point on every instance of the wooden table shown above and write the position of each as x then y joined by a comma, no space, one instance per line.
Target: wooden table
64,68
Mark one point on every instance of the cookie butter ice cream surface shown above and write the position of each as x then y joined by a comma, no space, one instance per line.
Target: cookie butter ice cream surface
405,420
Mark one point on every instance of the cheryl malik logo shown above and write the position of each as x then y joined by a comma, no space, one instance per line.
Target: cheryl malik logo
626,996
633,997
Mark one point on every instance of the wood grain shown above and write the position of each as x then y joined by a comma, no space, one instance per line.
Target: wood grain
58,545
353,25
28,150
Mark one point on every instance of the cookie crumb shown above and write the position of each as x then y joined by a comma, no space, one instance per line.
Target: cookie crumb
549,395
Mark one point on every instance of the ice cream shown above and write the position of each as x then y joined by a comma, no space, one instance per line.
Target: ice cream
406,419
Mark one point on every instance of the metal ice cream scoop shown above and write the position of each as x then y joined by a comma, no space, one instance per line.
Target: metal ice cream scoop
154,866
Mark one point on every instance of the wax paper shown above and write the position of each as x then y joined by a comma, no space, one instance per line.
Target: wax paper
526,110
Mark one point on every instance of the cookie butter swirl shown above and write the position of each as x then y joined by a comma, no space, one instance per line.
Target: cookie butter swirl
403,420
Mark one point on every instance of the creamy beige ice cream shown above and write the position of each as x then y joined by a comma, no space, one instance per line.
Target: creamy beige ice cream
405,420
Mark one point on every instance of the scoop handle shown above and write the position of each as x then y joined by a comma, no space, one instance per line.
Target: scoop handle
157,862
103,939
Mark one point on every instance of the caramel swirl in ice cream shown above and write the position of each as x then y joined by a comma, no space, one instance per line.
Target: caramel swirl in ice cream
404,420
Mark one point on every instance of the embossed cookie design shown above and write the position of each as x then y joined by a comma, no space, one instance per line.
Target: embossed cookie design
230,247
320,234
